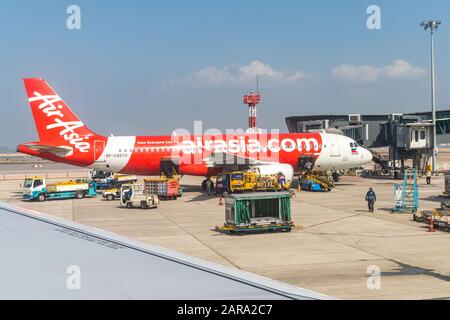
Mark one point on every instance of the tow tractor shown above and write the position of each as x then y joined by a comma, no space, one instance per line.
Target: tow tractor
133,196
36,188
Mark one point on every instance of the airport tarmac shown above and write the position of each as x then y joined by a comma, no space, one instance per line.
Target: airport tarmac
331,253
37,167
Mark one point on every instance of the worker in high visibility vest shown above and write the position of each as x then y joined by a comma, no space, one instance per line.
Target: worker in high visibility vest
428,174
371,198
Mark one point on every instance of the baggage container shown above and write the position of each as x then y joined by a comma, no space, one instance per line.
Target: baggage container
162,187
268,211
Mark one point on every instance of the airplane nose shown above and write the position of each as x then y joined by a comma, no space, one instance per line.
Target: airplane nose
367,155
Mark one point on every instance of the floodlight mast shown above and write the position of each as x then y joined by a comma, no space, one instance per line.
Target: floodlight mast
432,25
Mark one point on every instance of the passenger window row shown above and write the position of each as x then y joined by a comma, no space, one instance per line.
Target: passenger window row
142,150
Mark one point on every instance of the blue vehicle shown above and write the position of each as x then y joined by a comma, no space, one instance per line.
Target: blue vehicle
109,180
315,183
37,189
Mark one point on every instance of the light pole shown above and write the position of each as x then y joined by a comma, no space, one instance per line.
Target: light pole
432,25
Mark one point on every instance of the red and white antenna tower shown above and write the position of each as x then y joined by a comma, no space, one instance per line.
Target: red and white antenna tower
252,99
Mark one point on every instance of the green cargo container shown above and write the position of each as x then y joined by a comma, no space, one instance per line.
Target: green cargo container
258,211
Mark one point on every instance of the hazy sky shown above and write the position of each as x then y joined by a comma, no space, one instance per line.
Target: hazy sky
148,67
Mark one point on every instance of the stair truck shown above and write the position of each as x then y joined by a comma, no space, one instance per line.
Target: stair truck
257,211
134,196
406,194
36,188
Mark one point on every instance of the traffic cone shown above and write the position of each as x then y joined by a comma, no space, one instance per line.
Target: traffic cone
431,226
220,201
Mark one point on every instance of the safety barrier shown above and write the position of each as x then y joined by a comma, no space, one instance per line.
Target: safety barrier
47,175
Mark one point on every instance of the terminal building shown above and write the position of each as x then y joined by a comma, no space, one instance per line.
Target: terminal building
392,138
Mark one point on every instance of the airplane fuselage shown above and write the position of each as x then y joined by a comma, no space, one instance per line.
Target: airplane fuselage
64,138
142,155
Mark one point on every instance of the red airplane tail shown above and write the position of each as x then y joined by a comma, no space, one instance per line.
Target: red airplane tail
56,124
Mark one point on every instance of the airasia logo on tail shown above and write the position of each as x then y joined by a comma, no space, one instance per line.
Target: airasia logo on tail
50,108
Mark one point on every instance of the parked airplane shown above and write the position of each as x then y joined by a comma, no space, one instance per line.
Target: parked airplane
64,138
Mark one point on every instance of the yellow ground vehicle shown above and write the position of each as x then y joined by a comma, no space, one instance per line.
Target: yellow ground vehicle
249,181
253,181
111,194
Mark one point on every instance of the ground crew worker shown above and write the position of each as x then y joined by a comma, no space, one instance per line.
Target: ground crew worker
209,186
219,182
428,174
281,180
329,174
308,166
335,176
371,198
